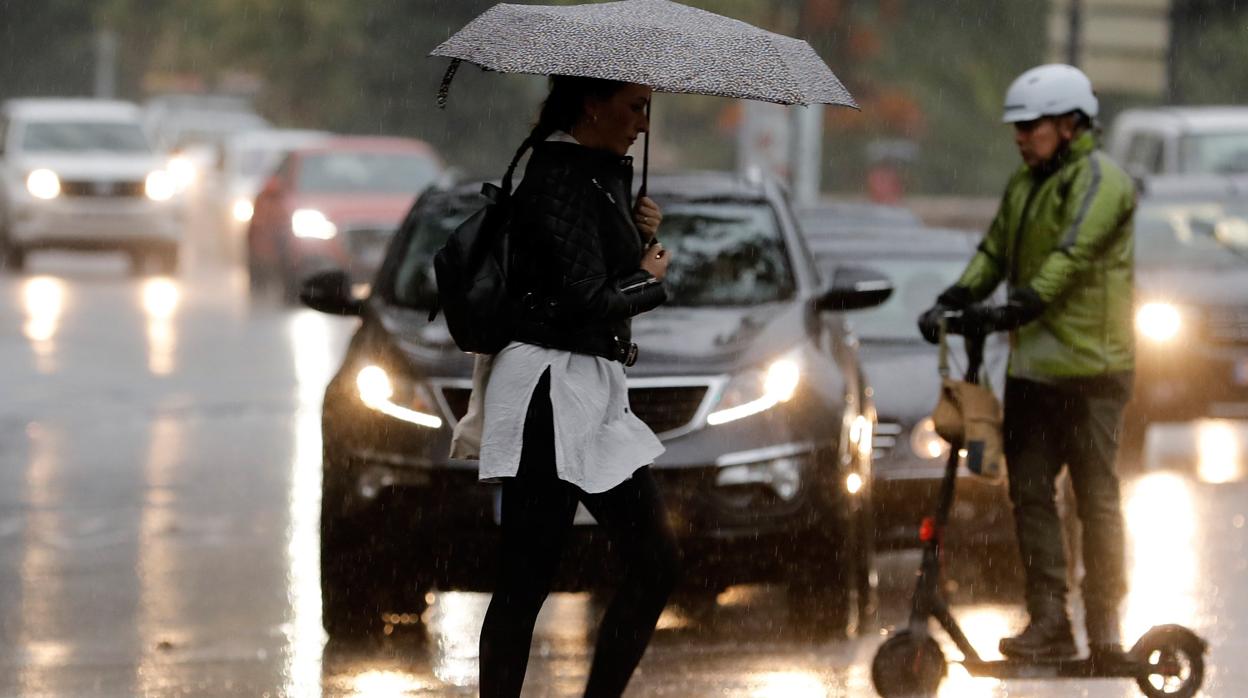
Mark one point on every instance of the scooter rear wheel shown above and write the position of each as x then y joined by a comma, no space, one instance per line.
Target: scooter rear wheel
906,665
1175,657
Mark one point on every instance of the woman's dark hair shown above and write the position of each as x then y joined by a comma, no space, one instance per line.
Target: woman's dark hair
565,103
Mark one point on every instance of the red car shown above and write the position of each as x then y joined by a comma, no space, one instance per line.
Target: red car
335,205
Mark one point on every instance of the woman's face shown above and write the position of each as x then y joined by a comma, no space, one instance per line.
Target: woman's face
615,122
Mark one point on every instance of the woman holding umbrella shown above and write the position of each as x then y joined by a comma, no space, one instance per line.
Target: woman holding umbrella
557,427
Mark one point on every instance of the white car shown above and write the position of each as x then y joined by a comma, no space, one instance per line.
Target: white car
81,174
247,160
1181,141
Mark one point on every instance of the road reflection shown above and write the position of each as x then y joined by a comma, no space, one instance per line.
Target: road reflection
161,297
40,653
44,300
162,600
1161,520
309,335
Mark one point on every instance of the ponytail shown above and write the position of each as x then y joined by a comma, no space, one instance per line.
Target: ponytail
562,108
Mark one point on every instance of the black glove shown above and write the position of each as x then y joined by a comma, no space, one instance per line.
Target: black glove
952,298
1023,306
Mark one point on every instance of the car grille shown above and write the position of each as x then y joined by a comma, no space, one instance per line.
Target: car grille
887,435
1227,325
105,189
662,408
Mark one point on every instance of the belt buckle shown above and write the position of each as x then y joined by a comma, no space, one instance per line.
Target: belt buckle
630,354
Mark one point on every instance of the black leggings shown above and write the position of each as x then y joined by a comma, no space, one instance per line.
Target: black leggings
537,512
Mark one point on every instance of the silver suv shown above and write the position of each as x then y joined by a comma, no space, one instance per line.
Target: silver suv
1181,141
81,174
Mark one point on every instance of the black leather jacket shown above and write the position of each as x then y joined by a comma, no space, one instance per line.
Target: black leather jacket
576,253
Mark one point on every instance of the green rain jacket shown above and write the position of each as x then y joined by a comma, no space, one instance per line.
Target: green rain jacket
1065,233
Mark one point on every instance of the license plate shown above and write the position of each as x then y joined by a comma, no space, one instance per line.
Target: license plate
582,517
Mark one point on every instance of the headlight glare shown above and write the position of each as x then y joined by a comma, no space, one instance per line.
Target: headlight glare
311,223
43,184
243,210
159,186
926,443
377,391
1159,321
182,171
755,391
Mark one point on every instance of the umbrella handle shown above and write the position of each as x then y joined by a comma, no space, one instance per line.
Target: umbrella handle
645,154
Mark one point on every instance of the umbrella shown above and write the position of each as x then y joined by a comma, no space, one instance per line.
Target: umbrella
665,45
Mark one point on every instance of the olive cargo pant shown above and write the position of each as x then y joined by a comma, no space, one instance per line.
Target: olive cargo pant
1074,425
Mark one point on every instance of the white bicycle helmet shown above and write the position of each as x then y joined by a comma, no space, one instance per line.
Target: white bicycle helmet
1049,90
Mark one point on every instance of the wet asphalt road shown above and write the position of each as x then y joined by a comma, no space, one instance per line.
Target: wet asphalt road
159,485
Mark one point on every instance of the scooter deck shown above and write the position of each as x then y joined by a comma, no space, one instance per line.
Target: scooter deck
1073,668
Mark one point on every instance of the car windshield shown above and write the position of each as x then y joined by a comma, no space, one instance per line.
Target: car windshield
366,173
723,253
916,283
1215,153
83,136
1190,235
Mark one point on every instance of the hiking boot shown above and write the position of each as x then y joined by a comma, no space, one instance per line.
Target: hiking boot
1104,636
1047,636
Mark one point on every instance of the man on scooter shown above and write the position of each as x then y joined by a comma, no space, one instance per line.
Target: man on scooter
1062,241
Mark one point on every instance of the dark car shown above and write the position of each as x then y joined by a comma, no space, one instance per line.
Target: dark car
334,205
1191,247
902,369
748,375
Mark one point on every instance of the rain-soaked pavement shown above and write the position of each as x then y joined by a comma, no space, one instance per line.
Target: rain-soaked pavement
159,484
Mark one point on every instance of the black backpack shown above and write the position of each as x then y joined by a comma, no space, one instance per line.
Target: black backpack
471,273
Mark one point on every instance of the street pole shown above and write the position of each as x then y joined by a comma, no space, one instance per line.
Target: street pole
1174,95
806,154
1075,38
105,64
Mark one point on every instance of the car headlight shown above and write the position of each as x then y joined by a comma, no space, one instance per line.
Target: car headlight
243,209
43,184
159,186
783,476
1159,321
182,170
408,404
757,390
311,223
926,443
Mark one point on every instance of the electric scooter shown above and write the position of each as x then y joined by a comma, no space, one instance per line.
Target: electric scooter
1167,661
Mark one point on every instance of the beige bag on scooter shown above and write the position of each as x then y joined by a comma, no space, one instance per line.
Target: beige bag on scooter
970,414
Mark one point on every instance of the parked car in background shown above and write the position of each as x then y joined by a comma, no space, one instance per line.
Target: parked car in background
1191,252
81,174
1181,141
903,371
856,218
246,162
335,205
748,375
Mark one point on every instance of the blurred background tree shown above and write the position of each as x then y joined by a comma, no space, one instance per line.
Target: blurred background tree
929,75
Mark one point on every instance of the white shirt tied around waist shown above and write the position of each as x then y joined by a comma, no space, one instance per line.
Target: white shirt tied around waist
599,442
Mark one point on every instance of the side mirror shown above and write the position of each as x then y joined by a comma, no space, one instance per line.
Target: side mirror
855,288
330,292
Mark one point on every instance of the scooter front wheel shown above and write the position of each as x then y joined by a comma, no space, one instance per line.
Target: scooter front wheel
1174,662
906,665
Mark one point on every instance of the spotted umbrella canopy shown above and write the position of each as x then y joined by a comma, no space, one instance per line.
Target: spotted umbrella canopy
665,45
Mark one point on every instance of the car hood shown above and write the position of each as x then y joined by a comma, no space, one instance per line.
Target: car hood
94,166
689,340
1219,286
363,209
905,377
715,340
